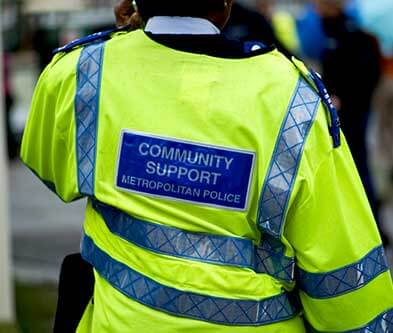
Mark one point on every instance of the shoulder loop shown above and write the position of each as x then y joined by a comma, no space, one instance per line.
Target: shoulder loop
334,118
98,36
253,47
315,80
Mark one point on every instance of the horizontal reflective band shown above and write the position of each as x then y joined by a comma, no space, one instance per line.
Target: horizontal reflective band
381,324
268,258
186,304
285,162
166,240
87,100
346,279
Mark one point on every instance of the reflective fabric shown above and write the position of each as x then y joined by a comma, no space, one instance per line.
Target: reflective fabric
287,154
346,279
186,304
267,258
280,179
86,114
381,324
175,242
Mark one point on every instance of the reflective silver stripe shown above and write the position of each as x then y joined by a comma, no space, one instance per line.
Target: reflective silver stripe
346,279
86,114
286,159
214,249
186,304
280,180
382,324
171,241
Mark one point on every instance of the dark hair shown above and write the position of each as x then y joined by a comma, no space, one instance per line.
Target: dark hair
193,8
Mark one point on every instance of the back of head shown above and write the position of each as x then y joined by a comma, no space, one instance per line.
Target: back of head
191,8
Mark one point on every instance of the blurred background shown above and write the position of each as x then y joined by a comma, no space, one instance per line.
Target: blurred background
349,42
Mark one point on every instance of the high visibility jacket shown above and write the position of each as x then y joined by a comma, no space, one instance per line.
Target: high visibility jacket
219,196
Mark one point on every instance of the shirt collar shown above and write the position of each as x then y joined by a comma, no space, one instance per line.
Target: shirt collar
177,25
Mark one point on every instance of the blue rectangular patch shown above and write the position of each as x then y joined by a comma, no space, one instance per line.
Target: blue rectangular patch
185,171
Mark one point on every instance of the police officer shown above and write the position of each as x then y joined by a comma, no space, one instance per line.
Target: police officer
222,196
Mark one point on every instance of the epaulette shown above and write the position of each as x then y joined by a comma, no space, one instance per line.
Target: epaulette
334,119
316,81
98,36
256,48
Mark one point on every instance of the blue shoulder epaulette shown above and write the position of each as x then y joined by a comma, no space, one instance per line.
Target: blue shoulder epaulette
251,47
335,120
102,35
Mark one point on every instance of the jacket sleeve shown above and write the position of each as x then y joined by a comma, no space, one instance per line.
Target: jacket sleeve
342,274
48,146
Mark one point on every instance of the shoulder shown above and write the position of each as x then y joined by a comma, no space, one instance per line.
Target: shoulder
64,64
310,103
93,38
315,82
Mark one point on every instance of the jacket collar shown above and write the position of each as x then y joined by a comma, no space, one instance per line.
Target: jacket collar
176,25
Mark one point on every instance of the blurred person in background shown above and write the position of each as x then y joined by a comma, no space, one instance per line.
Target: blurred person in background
181,95
283,26
12,143
351,70
246,24
384,106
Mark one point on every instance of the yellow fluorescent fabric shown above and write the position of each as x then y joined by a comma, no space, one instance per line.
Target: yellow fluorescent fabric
213,280
341,217
128,316
48,146
352,310
330,226
194,105
233,103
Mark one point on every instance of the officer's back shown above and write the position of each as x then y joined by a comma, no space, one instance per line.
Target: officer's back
205,165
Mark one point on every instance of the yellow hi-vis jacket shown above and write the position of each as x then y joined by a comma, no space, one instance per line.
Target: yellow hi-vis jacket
218,200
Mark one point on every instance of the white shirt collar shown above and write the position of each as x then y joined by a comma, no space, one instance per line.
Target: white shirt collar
176,25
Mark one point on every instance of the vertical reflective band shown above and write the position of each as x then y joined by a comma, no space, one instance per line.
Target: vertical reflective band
86,114
187,304
280,179
346,279
215,249
286,158
382,324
